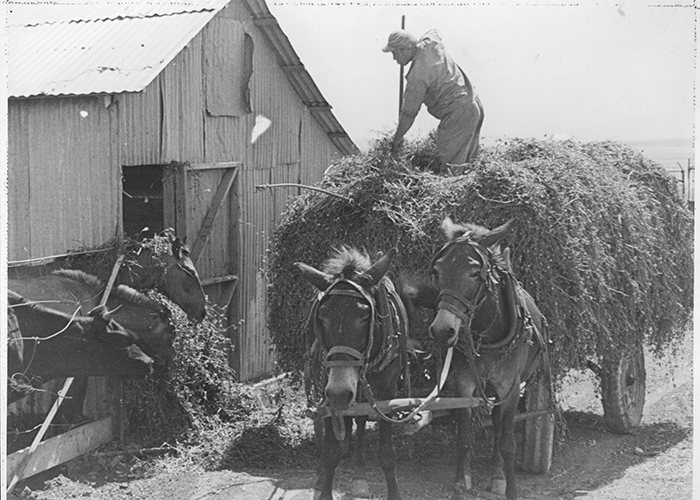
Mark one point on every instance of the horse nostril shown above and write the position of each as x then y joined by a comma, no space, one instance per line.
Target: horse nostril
447,337
340,399
452,337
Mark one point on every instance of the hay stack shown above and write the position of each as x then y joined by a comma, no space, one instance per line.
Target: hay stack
601,240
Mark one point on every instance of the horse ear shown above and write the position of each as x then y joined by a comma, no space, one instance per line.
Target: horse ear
450,228
180,249
506,259
380,268
317,278
175,246
495,235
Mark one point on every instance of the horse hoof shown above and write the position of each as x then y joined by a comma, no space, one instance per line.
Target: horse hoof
360,488
318,496
498,487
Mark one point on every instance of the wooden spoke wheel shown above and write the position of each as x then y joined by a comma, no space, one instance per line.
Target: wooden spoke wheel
538,437
623,383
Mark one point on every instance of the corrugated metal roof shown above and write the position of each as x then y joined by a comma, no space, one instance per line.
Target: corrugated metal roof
66,11
76,47
85,48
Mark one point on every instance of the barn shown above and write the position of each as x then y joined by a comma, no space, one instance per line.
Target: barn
112,130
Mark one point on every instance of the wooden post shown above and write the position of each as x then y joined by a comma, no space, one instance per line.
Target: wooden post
403,25
37,439
121,413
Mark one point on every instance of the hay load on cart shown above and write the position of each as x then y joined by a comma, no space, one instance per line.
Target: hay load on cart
601,240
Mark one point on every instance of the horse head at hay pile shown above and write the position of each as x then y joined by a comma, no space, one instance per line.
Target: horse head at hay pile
53,345
172,274
498,335
355,334
69,290
148,322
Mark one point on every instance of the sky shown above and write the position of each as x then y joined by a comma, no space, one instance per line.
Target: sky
592,70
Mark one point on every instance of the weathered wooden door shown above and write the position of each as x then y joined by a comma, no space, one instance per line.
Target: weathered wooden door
201,203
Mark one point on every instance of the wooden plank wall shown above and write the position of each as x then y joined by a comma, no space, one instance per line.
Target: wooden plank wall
97,400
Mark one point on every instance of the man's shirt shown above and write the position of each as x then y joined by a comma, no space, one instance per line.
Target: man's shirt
434,79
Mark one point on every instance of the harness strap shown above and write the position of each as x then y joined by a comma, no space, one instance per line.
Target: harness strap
356,292
341,349
391,327
447,297
367,391
542,340
475,374
515,305
346,292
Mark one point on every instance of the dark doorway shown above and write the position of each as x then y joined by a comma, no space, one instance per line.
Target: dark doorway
142,201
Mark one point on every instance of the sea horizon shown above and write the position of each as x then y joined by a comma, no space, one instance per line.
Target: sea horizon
673,154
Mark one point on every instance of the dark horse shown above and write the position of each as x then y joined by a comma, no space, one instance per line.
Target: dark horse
498,335
356,337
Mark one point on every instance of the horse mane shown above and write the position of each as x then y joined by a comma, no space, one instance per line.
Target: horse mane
347,262
125,293
459,230
474,232
80,276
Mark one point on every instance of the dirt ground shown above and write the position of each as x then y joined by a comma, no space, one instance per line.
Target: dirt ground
589,463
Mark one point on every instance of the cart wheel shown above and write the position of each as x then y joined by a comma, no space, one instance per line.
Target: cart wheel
623,383
538,440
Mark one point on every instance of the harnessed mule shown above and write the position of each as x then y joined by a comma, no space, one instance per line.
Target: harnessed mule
498,333
356,337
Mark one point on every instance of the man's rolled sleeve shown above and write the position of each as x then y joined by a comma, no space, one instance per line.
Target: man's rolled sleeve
413,99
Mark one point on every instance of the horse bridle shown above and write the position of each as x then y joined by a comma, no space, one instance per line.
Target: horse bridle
453,302
361,359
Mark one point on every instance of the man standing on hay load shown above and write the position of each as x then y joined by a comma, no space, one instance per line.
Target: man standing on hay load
436,80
